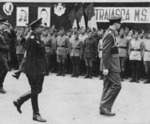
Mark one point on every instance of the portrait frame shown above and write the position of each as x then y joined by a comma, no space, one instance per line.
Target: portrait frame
22,16
45,14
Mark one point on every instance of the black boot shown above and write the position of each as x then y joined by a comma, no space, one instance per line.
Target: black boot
36,115
59,70
2,77
21,100
73,74
133,77
77,71
91,70
63,70
147,78
87,72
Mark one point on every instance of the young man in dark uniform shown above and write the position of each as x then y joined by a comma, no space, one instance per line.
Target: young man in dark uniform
111,67
34,68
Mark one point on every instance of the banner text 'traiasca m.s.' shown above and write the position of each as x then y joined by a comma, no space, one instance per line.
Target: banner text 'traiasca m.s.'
129,14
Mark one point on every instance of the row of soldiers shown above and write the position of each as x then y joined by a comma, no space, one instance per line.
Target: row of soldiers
79,52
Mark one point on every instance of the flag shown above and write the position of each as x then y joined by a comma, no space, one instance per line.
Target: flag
90,13
72,18
80,17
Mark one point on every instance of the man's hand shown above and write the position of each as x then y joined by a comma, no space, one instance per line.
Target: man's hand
105,72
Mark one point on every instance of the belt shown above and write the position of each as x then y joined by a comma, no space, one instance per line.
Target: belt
122,47
147,50
100,49
62,46
135,49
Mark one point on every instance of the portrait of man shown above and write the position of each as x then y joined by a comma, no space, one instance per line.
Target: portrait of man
44,13
22,16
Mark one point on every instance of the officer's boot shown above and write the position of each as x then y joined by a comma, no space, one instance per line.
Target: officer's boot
73,74
63,69
91,70
2,77
147,78
21,100
59,70
77,71
87,72
133,77
137,78
36,114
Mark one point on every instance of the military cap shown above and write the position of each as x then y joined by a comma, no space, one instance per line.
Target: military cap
115,19
36,23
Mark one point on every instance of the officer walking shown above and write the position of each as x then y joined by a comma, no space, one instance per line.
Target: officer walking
3,56
34,68
111,67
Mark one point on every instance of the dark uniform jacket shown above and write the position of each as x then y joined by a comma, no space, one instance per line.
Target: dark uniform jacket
3,48
90,48
110,54
35,57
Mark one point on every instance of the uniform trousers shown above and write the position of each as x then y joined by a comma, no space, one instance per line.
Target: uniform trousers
89,61
3,69
36,83
147,69
48,62
135,66
111,88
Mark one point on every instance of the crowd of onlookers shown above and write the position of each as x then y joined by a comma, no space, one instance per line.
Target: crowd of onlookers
133,46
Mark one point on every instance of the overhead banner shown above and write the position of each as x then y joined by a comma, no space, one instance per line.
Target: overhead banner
129,14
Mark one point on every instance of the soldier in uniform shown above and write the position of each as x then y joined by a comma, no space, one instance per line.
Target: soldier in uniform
3,57
76,53
82,37
53,57
89,53
34,68
62,51
146,57
111,67
135,56
47,40
123,46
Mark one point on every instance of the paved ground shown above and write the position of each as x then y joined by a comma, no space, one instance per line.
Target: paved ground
66,100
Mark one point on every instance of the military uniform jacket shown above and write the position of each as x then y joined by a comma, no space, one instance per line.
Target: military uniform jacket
3,48
62,45
35,56
110,54
76,47
90,48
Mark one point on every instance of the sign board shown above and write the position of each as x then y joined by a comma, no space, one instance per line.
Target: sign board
129,14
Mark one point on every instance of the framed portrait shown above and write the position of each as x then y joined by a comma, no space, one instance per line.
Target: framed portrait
22,16
44,13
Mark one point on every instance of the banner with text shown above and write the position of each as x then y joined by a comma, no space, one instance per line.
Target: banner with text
129,14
